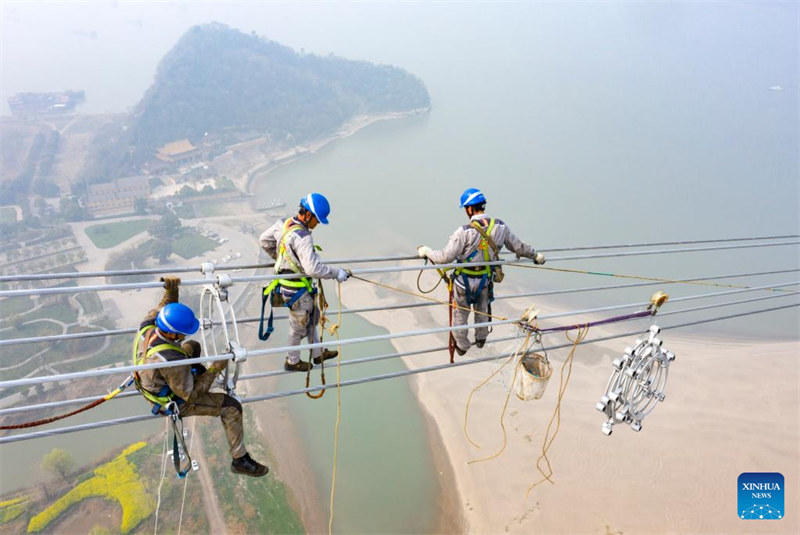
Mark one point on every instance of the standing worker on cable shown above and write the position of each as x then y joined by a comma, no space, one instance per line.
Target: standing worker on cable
159,340
479,241
290,244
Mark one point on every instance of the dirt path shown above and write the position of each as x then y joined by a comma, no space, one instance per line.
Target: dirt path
216,520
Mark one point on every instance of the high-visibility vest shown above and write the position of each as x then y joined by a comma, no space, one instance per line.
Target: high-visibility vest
289,227
148,331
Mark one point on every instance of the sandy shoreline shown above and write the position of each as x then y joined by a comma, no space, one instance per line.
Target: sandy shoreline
677,475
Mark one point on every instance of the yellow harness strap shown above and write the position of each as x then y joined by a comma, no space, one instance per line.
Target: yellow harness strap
146,333
483,247
289,227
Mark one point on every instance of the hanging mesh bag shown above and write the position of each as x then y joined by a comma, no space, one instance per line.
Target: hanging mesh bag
533,373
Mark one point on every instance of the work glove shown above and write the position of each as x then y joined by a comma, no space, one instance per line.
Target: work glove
171,283
538,259
342,275
423,251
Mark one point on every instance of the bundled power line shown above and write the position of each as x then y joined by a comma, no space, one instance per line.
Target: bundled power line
373,378
772,291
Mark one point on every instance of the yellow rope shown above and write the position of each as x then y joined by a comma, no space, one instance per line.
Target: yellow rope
469,399
322,305
520,349
335,330
637,277
562,388
454,305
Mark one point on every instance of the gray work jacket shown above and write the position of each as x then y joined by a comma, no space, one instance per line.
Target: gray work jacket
299,248
466,238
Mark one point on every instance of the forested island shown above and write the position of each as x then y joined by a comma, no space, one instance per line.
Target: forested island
218,83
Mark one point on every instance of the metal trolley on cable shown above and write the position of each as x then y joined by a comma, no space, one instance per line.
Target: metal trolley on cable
219,324
637,384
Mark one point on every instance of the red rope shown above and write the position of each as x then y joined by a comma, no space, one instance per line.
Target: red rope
37,423
451,343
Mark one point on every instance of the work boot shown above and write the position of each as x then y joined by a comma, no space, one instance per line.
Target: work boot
247,466
479,343
326,354
299,366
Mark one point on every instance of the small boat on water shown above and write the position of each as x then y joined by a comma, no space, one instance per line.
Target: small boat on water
275,203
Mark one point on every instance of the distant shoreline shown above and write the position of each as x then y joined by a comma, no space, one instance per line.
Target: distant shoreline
278,159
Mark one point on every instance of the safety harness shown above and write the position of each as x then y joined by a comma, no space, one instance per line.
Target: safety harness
165,403
487,274
300,285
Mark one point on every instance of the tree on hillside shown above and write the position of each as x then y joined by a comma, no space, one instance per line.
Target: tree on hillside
58,462
71,210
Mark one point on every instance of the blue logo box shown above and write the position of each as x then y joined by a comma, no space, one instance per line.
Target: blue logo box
761,496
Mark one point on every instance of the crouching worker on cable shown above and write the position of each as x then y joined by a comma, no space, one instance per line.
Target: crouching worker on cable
290,243
159,340
479,241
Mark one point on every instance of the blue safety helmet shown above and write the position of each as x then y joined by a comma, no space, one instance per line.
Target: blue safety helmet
177,318
317,204
471,197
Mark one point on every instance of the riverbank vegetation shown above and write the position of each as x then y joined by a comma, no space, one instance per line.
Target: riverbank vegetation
125,484
250,505
117,481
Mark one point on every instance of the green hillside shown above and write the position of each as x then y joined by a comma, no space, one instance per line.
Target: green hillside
217,79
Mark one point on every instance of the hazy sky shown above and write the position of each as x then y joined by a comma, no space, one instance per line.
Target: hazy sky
115,46
111,49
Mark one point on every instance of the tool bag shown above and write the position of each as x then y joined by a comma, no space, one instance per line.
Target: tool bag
533,374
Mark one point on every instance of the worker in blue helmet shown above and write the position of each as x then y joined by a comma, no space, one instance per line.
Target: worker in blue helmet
161,339
290,244
479,241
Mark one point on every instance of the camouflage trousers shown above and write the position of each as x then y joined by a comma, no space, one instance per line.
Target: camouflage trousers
230,412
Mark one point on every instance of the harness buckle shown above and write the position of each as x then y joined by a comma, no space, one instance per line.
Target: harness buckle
171,409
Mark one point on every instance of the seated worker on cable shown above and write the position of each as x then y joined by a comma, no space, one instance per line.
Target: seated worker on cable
159,340
290,244
479,241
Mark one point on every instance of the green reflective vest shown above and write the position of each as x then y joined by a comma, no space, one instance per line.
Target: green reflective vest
288,228
139,360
